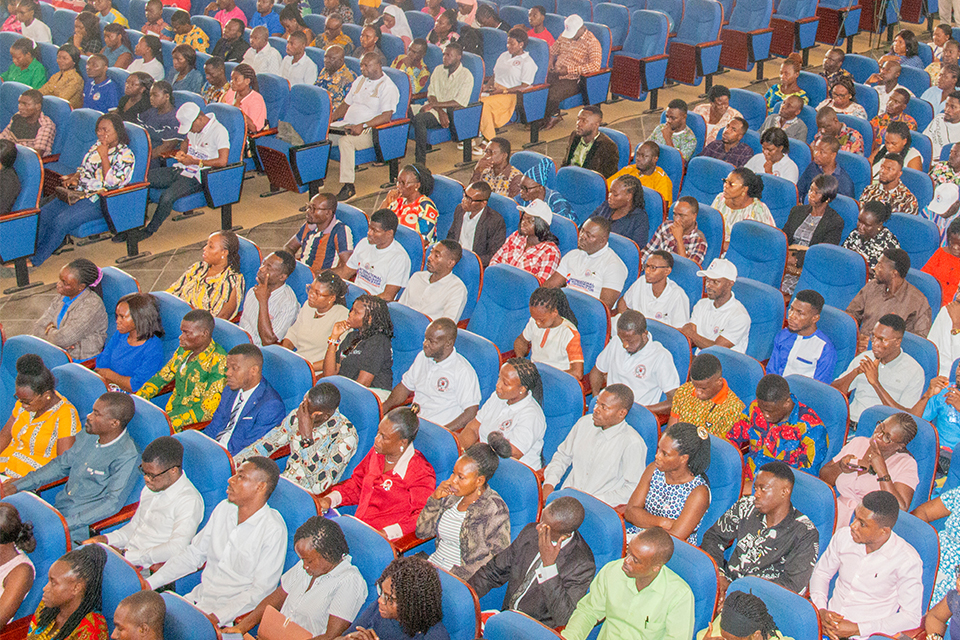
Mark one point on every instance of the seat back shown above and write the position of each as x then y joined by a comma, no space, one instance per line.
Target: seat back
447,194
412,243
172,310
916,80
483,357
584,189
628,251
918,236
299,280
504,306
420,23
115,283
673,9
562,406
82,134
617,18
9,100
699,571
758,250
623,145
523,160
58,110
724,473
815,499
593,323
780,195
924,448
16,346
685,274
868,99
513,625
602,529
355,219
705,178
923,146
295,506
210,27
183,621
928,286
765,306
648,34
741,372
519,487
831,407
836,273
288,373
751,106
923,538
369,550
860,67
566,232
815,86
29,169
750,15
362,407
701,22
276,92
228,335
920,185
842,331
925,353
674,342
795,616
922,112
847,209
409,327
439,447
494,43
857,168
461,610
120,580
208,466
81,386
402,81
862,127
63,25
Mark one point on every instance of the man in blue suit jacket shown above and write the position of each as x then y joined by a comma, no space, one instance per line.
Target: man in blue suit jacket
249,406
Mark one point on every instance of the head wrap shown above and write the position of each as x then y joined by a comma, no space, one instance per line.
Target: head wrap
370,3
471,18
543,173
402,28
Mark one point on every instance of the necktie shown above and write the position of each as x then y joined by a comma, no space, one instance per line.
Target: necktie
527,581
234,414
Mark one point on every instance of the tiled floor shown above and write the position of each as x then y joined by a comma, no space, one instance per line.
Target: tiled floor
269,222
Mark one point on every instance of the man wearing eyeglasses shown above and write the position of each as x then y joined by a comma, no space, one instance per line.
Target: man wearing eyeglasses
170,508
475,225
323,241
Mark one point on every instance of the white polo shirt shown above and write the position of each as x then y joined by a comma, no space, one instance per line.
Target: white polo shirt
303,71
512,71
443,389
902,378
378,268
592,273
522,423
369,98
444,298
267,60
730,321
672,307
649,372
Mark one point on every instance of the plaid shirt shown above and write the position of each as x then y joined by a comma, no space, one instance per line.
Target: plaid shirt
578,56
541,259
43,142
337,85
849,139
882,121
684,141
900,199
694,243
197,39
159,28
738,156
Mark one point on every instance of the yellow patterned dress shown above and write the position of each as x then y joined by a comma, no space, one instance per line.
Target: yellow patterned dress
202,291
34,438
198,383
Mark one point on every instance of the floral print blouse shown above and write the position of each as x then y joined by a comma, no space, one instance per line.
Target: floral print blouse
118,175
420,215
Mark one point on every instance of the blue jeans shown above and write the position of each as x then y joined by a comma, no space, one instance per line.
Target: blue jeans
57,219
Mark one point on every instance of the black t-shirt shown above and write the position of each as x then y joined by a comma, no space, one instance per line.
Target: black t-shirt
373,355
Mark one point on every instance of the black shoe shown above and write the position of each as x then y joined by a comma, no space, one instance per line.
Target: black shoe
347,191
120,237
139,235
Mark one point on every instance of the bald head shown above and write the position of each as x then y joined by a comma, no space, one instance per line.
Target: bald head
659,541
565,515
140,616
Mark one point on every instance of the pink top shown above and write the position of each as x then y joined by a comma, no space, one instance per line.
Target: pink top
889,602
223,17
10,565
252,106
851,487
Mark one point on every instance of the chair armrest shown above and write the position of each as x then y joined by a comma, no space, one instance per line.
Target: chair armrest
407,542
196,426
48,159
757,32
594,74
533,87
51,485
266,132
127,189
120,517
19,214
227,188
391,124
167,388
282,452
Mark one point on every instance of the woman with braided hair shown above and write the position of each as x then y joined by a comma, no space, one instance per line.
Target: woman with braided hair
744,617
551,335
244,94
511,420
410,605
70,609
324,592
359,347
76,320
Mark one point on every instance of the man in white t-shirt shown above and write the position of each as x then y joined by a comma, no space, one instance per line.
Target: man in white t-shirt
443,382
638,361
437,292
944,129
381,265
719,318
371,101
297,67
261,55
31,27
270,307
655,295
593,267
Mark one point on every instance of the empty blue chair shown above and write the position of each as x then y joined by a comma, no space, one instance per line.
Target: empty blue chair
447,194
700,573
685,274
921,186
842,331
928,286
780,195
412,243
814,498
602,527
741,372
362,407
115,283
20,227
494,43
836,273
504,306
582,8
593,323
628,251
695,52
857,168
81,386
439,447
120,580
80,136
916,80
640,66
288,373
830,405
795,616
921,111
918,236
461,611
656,208
765,306
748,35
705,178
862,127
860,67
210,27
923,145
515,16
519,487
370,551
295,506
62,27
814,85
868,98
532,103
584,189
420,23
674,341
409,327
795,25
183,621
355,219
751,105
616,19
208,466
671,162
925,353
483,357
759,251
562,406
300,280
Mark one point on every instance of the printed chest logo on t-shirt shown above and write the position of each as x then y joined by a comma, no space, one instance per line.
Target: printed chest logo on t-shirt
366,272
387,484
443,384
659,315
641,371
505,425
716,330
581,282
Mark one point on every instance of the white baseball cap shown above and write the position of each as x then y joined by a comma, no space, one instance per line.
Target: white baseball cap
186,114
539,209
571,25
720,269
945,196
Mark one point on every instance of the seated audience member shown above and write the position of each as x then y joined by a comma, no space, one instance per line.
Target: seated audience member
771,539
730,146
810,224
905,48
12,22
514,413
888,605
370,37
184,76
942,34
943,506
801,348
73,610
323,241
323,592
871,238
185,33
297,67
593,268
43,424
937,406
410,605
716,111
945,175
214,284
224,11
533,187
645,169
707,400
722,318
359,347
535,18
271,306
638,361
67,83
117,48
674,132
789,75
655,295
944,264
777,426
627,593
887,81
379,264
16,541
451,85
604,455
161,124
261,55
773,160
231,46
244,94
393,481
411,63
100,92
136,97
370,102
336,78
942,614
895,111
945,335
333,35
25,67
946,82
149,54
468,519
514,71
495,169
76,321
325,306
890,293
107,14
487,17
134,353
824,163
532,247
322,440
216,83
740,200
140,616
476,225
889,189
741,613
87,36
169,512
411,201
673,492
207,144
829,125
788,119
843,96
29,126
547,568
551,336
945,126
573,55
444,383
249,406
154,23
681,234
880,462
99,478
590,148
242,546
896,140
624,210
30,26
197,369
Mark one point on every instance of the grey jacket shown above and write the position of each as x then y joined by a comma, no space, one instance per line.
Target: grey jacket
83,330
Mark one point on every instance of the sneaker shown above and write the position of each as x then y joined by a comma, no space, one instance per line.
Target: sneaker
479,146
347,191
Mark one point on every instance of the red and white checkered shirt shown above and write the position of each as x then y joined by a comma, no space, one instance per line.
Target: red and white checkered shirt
541,259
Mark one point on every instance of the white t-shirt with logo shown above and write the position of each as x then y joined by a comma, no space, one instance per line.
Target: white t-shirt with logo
649,372
672,307
445,298
443,389
730,321
522,423
592,273
378,268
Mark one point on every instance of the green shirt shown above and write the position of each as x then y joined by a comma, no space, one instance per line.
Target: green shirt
35,75
662,611
580,153
197,385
